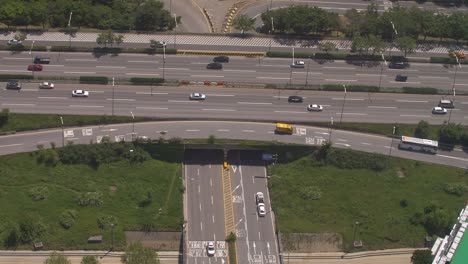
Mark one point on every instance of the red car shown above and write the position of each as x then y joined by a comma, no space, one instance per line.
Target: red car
35,67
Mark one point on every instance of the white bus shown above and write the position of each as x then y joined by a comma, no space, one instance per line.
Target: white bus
419,144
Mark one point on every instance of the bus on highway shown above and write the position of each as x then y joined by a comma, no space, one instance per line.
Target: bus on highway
282,128
418,144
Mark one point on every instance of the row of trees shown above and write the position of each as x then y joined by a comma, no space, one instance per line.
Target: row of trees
147,15
450,133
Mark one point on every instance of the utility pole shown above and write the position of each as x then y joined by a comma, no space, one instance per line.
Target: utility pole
453,85
271,33
344,101
391,41
113,93
175,30
164,59
32,58
63,135
69,28
307,73
133,124
391,143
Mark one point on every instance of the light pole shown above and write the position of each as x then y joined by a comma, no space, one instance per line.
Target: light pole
453,84
344,101
133,124
175,30
69,28
391,40
113,92
271,33
391,143
32,58
356,224
164,59
330,129
381,69
63,135
307,73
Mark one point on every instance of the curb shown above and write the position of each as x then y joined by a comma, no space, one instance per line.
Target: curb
218,52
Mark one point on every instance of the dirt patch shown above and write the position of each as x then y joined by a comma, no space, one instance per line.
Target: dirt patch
165,241
310,243
401,173
113,189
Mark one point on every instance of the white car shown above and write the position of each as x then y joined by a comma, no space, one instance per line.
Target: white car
298,64
46,85
315,108
197,96
80,93
439,110
261,209
210,249
14,42
259,198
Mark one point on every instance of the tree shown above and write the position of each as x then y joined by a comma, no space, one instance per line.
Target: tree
119,39
137,254
151,16
406,44
56,258
4,117
107,37
422,130
451,133
243,23
327,46
421,257
89,260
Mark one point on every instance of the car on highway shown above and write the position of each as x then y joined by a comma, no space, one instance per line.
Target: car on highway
314,108
221,59
397,65
13,85
41,60
298,64
259,198
197,96
46,85
210,249
35,67
14,42
439,110
445,103
157,44
80,93
214,66
295,99
401,78
261,209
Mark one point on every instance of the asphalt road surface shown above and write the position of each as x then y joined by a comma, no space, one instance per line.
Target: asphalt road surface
231,104
256,239
239,69
205,207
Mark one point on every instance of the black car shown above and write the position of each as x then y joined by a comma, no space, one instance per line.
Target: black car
13,84
221,59
41,60
295,99
214,66
401,78
397,65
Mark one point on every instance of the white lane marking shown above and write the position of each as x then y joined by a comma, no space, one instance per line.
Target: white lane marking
457,72
317,73
273,65
9,58
208,76
50,97
213,219
336,80
411,101
120,99
432,77
192,130
272,78
225,110
383,107
221,94
212,200
142,74
348,99
290,112
254,103
248,131
13,71
86,106
464,84
259,237
275,96
180,101
19,104
223,130
80,72
239,71
351,114
152,108
201,226
343,144
29,90
405,82
112,67
133,61
55,65
403,70
370,75
414,115
180,69
11,145
343,68
451,157
149,93
80,59
96,91
364,143
322,133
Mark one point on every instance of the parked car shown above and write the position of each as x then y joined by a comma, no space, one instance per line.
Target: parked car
221,59
210,249
314,108
401,78
197,96
13,85
397,65
439,110
14,42
80,93
295,99
261,209
35,67
298,64
214,66
46,85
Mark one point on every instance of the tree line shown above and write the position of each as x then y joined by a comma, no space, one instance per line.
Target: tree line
143,15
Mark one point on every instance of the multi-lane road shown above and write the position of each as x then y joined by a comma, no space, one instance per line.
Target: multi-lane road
239,69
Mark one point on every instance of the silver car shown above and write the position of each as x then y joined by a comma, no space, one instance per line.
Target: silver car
14,42
298,64
80,93
314,108
197,96
46,85
261,209
439,110
210,249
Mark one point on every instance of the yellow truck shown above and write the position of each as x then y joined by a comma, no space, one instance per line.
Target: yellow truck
283,128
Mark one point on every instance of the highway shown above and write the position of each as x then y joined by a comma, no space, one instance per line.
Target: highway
239,69
205,207
231,104
256,239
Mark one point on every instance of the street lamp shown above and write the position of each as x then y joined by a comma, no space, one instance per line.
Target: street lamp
453,84
356,224
32,58
391,40
391,143
63,135
330,129
113,92
164,59
307,73
133,124
69,28
381,69
344,101
271,33
175,30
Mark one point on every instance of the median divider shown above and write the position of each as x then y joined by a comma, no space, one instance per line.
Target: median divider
219,52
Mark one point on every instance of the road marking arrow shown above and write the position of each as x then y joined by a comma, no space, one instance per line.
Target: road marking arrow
234,168
255,251
268,246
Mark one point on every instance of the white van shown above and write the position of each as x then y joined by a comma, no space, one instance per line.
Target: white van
446,103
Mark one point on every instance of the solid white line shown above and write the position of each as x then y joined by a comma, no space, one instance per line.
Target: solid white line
411,101
144,61
254,103
192,130
223,130
112,67
414,115
272,78
151,108
54,65
464,84
225,110
239,71
143,74
86,106
290,112
45,97
19,104
450,157
432,77
9,58
348,99
336,80
80,72
364,143
248,131
207,76
383,107
370,75
11,145
352,114
110,99
149,93
80,60
344,68
180,101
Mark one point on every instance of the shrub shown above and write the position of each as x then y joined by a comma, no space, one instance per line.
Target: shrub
15,76
310,193
94,79
403,203
446,60
211,139
4,117
451,133
175,140
231,238
422,130
67,218
31,228
350,88
287,54
70,49
38,193
464,139
106,221
457,188
146,81
348,159
419,90
90,199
